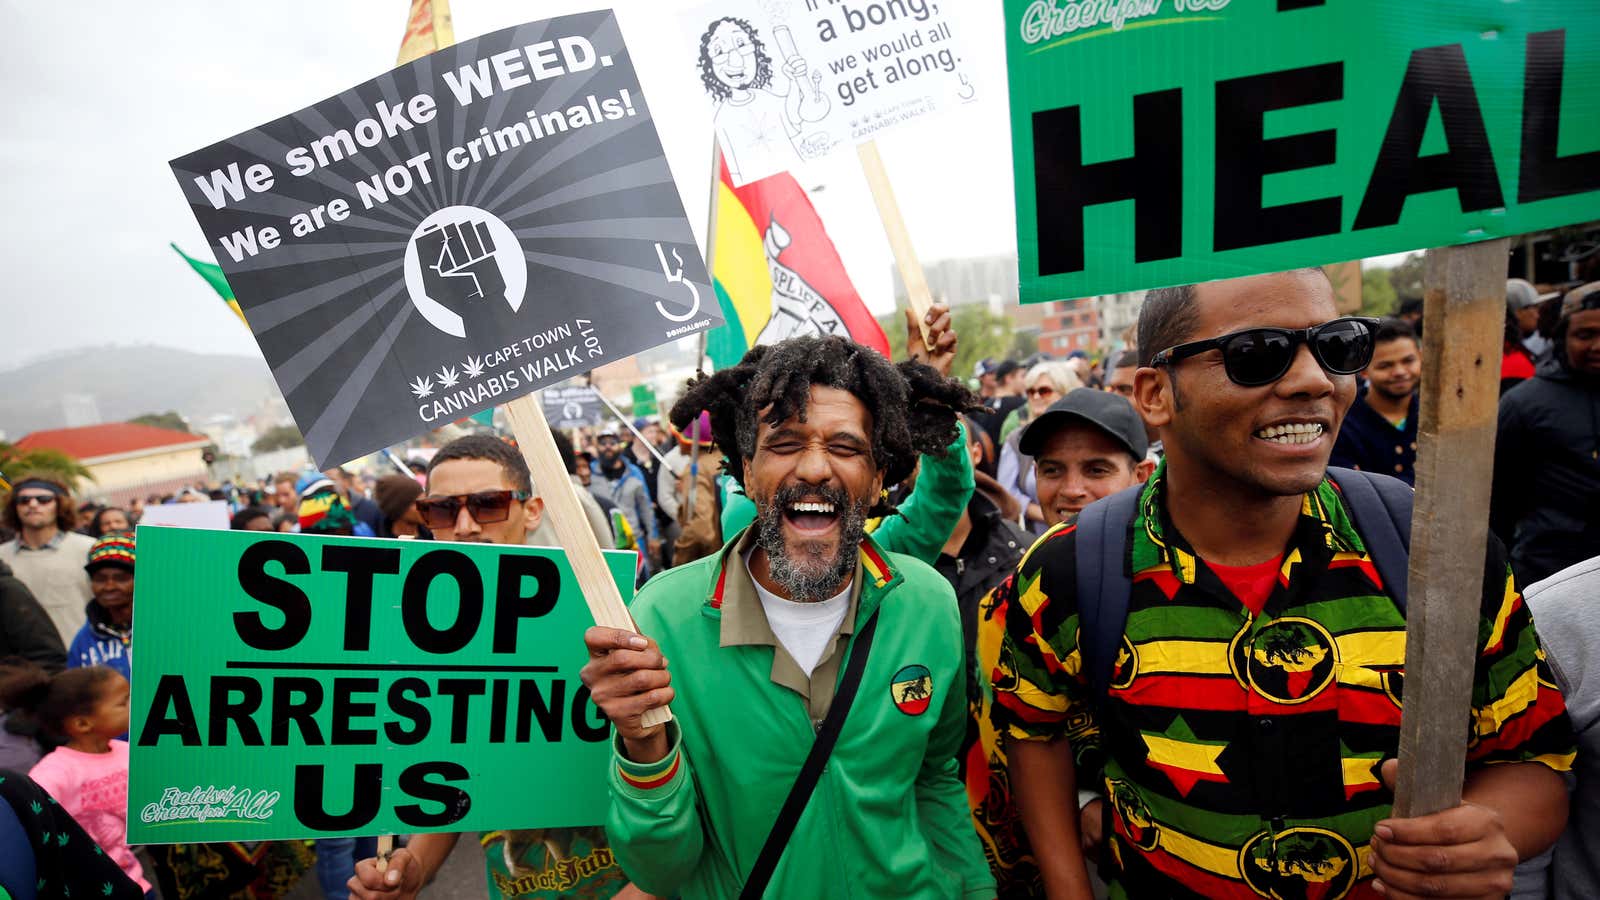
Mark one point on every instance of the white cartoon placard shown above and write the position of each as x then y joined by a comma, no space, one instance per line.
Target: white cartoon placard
794,80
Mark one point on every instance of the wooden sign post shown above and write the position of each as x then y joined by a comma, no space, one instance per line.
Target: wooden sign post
1463,325
571,525
894,225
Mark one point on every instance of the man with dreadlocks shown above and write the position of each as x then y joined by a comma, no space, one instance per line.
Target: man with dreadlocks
814,428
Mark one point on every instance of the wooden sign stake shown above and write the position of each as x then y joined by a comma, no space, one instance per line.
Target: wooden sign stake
571,526
894,225
1463,324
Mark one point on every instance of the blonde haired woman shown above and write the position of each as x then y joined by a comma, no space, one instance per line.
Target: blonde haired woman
1045,383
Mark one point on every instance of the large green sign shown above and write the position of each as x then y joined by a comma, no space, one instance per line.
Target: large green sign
293,686
1162,142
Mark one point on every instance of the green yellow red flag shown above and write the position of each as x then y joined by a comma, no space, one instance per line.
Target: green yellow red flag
777,273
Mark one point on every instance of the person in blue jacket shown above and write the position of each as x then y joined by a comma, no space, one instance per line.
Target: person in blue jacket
107,638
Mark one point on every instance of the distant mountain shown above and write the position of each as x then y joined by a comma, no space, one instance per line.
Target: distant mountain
128,381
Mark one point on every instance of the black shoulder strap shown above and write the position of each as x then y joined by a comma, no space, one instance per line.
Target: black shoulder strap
1104,583
1381,507
806,783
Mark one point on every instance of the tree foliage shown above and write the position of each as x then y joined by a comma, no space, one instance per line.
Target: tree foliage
16,463
170,420
979,332
1377,293
279,437
1406,278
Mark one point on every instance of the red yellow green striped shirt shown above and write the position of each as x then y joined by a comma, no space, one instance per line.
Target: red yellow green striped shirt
1239,752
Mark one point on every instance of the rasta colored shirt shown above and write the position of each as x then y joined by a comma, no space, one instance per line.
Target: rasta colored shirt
1239,751
550,863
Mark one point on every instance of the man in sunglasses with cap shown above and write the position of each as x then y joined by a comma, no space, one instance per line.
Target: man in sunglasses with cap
480,491
1243,733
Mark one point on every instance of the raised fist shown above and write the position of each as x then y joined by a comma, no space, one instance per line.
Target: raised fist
458,264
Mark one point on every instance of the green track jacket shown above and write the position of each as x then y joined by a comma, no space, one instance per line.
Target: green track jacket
888,818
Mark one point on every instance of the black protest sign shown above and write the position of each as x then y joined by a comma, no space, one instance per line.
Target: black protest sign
463,230
572,406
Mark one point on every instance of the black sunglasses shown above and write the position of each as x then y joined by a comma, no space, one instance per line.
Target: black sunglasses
1257,356
487,507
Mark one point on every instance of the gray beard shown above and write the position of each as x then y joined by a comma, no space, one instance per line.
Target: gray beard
807,577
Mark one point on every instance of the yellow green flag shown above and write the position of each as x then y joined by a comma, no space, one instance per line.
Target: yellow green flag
212,273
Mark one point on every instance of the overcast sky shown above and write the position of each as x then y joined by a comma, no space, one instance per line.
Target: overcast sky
97,103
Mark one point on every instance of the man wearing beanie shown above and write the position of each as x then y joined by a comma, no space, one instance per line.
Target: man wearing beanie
1547,452
396,496
106,639
47,554
323,510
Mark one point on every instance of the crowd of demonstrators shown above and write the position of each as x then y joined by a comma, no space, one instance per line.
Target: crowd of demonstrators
695,493
1547,450
1232,726
1379,434
1046,383
614,477
479,490
1000,389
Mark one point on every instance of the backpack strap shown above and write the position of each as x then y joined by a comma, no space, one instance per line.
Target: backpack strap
1104,583
1381,507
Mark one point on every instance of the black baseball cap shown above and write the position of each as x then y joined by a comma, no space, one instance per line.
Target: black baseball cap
1109,412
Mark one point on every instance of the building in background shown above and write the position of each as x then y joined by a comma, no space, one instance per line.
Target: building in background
231,437
1118,314
1070,325
990,280
127,460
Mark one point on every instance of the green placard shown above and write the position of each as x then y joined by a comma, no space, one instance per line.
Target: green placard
1161,143
295,686
644,400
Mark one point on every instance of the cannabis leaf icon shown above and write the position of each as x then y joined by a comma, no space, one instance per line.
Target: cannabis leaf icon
36,807
448,377
422,387
473,367
105,889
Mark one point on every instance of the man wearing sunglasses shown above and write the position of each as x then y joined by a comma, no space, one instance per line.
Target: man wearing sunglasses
480,490
1245,740
47,554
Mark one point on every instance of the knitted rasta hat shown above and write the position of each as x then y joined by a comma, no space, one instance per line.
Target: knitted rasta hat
322,511
114,549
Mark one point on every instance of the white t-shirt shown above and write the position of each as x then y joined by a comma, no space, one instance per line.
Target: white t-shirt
802,628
